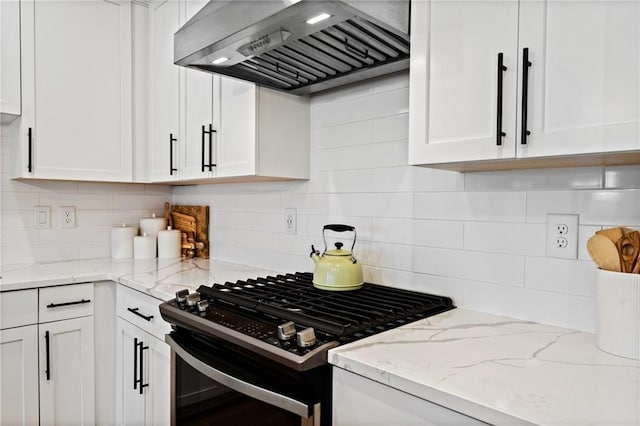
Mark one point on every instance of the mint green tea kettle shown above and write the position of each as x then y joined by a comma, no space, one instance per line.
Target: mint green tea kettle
336,269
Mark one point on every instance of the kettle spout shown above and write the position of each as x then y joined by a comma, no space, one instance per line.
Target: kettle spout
315,254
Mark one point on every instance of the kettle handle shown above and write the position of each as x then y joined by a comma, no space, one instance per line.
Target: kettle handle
339,228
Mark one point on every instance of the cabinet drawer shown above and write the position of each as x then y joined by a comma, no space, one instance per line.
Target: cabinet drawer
18,308
142,311
64,302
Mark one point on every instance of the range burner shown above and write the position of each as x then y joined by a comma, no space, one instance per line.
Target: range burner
287,319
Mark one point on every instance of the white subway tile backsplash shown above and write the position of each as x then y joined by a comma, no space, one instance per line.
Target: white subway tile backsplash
427,180
19,200
389,230
438,233
378,105
508,238
393,256
396,205
584,233
561,276
480,206
393,128
84,201
615,207
622,177
535,180
487,267
358,133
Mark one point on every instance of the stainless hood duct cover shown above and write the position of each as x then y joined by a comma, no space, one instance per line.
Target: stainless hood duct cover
271,43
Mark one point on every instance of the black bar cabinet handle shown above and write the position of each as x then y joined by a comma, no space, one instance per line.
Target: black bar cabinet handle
525,89
211,132
171,141
135,363
204,165
77,302
141,356
47,356
30,164
501,68
135,312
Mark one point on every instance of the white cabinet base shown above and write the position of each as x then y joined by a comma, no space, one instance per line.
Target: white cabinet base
358,401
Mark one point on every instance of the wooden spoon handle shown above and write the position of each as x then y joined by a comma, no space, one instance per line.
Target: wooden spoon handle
628,247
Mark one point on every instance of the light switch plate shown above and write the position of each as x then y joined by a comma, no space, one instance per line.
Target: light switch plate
43,217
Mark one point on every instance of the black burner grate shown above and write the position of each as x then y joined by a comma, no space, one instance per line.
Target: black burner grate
345,314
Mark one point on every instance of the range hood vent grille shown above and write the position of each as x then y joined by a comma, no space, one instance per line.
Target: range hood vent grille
354,46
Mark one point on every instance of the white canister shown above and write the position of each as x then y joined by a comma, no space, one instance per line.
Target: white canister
618,313
169,243
152,225
122,241
144,247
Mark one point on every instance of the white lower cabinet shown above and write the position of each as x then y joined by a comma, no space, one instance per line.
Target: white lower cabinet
19,376
67,386
143,377
47,356
358,401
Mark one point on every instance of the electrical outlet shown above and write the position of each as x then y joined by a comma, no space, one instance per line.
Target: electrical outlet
290,221
67,217
562,236
43,217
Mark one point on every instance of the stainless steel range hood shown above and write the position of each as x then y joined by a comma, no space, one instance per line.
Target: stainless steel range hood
277,44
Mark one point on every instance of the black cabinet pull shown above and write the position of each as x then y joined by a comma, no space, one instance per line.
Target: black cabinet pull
525,89
77,302
501,68
29,163
141,356
135,363
47,356
210,133
135,311
171,141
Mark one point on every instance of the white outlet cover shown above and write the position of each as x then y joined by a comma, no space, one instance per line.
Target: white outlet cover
571,236
67,217
290,221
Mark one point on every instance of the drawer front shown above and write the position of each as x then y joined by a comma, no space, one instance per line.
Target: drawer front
142,311
64,302
18,308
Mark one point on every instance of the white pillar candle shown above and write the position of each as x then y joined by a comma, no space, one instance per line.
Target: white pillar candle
144,247
122,241
169,243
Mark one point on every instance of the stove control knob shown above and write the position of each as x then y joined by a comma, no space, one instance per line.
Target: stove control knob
181,296
192,299
203,305
306,338
286,331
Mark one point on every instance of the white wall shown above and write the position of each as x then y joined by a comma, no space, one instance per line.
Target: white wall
478,238
98,207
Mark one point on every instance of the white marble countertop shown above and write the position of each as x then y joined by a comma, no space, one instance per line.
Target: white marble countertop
160,278
500,370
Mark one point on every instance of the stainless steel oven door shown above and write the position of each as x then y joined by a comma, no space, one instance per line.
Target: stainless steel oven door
203,391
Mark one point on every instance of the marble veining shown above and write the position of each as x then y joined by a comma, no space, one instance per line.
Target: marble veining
501,371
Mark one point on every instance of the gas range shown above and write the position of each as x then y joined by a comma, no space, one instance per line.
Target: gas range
285,319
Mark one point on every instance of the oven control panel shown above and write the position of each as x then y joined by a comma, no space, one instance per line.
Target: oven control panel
285,335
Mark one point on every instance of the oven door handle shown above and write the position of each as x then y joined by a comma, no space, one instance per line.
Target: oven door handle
264,395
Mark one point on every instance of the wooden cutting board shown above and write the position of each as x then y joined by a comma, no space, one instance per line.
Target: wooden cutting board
201,215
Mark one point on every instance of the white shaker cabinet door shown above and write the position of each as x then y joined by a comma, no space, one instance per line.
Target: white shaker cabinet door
10,60
236,146
76,58
164,100
454,80
67,383
19,376
198,118
584,78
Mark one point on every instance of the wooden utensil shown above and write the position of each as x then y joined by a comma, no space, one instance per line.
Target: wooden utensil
201,214
614,234
167,214
604,253
628,246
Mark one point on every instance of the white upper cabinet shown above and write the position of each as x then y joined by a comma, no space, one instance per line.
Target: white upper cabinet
164,101
10,103
578,94
584,78
76,91
220,128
